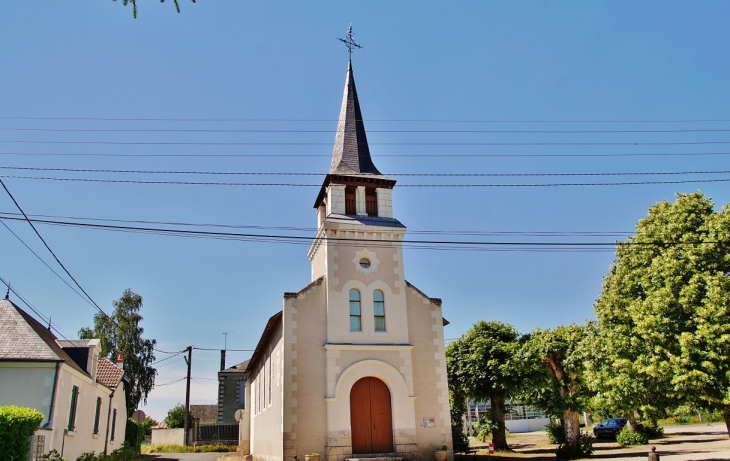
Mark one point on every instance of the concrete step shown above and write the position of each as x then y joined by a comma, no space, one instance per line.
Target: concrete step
375,457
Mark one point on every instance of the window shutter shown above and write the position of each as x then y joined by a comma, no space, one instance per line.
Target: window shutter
72,410
96,418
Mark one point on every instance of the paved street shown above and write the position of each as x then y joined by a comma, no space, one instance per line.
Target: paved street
187,456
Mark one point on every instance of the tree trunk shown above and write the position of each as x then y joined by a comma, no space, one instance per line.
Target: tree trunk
499,438
572,427
631,421
726,417
653,421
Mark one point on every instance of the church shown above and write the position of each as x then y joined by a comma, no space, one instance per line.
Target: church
353,366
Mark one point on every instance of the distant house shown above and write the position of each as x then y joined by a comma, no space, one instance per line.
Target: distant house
231,392
205,414
83,397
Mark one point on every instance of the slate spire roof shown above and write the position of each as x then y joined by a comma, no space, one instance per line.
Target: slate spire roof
351,154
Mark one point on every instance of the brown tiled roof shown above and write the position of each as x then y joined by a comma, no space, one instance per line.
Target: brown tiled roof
25,339
108,374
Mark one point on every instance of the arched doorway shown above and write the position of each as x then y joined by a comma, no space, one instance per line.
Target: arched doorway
371,418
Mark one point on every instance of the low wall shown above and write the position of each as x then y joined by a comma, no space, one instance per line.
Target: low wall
168,436
516,426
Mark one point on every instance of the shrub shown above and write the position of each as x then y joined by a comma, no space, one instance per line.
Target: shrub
654,432
87,457
625,438
16,426
583,450
556,433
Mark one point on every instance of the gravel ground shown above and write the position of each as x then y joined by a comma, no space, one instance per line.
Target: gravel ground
698,442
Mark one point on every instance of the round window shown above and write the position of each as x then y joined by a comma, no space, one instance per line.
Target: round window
364,263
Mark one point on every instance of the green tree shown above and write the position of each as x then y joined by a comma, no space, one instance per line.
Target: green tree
134,5
175,418
121,334
663,313
555,363
481,367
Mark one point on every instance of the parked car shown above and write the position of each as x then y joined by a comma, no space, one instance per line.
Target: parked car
612,426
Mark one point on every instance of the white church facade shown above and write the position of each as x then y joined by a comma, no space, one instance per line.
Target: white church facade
354,364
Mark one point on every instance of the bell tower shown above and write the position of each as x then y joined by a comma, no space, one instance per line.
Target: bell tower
358,246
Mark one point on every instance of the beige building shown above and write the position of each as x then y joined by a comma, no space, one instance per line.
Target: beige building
354,364
82,396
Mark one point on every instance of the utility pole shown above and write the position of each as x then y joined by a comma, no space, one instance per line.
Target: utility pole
188,360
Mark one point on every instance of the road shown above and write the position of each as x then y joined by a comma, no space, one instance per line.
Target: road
187,456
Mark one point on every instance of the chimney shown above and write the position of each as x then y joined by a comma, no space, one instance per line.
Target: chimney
223,359
120,361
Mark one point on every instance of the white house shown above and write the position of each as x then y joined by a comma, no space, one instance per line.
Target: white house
354,364
83,397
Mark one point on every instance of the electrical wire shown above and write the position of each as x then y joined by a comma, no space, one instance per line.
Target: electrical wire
445,144
54,254
314,229
361,242
447,175
450,155
44,262
238,184
221,131
162,119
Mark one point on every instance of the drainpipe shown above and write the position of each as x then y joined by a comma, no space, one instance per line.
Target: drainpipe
108,417
53,396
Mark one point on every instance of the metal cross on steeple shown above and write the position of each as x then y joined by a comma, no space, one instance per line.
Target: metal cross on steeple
349,42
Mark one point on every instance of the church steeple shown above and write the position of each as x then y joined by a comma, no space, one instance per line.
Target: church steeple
351,154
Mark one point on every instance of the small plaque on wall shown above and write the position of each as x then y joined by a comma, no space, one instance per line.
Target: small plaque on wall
429,422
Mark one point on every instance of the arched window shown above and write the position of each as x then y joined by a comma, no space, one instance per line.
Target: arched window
355,323
379,310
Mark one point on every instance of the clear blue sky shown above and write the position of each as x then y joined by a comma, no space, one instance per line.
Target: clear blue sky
526,62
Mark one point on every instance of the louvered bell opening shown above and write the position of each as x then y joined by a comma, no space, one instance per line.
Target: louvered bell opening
350,207
371,202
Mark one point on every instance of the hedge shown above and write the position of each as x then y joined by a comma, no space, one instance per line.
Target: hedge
16,426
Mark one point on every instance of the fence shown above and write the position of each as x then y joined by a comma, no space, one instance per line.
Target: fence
217,433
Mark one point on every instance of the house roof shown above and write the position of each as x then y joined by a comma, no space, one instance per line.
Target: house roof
25,339
270,325
108,374
240,368
436,301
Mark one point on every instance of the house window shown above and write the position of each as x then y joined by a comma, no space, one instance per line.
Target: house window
98,413
350,207
355,324
371,202
72,410
242,393
379,310
114,424
278,368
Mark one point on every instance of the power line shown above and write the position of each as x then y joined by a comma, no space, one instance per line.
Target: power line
230,350
44,262
37,312
450,155
314,229
262,131
373,241
163,119
446,144
195,183
448,175
54,254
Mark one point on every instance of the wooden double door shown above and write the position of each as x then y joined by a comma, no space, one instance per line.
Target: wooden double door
371,418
